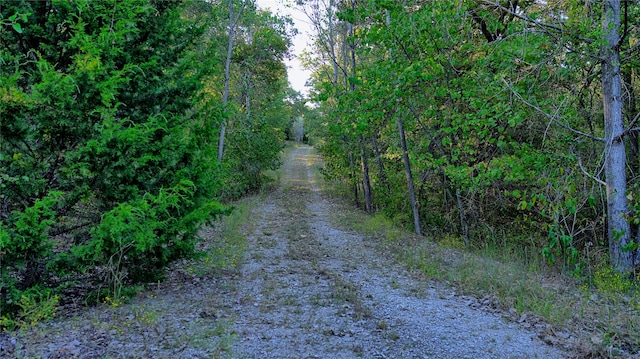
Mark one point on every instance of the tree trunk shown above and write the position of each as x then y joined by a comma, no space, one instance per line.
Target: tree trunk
464,225
631,111
383,176
407,167
332,45
225,93
247,98
353,181
615,161
366,180
633,141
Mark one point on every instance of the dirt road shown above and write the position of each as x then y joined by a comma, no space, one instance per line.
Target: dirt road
307,288
312,290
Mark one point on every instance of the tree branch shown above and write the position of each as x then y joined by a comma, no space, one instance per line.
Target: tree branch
532,21
629,128
551,117
589,174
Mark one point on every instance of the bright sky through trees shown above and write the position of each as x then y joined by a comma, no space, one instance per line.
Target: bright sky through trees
297,75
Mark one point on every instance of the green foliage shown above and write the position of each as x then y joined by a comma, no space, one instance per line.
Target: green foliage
13,22
35,305
611,283
109,116
25,248
26,239
261,110
499,119
561,245
144,235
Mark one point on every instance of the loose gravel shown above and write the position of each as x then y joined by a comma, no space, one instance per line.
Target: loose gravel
307,288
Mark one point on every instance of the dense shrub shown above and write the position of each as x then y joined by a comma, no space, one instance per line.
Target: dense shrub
106,155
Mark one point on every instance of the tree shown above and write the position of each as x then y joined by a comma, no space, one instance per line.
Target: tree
405,158
108,118
623,250
619,231
227,64
259,113
489,101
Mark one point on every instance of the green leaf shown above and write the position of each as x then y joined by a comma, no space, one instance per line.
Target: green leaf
522,205
631,246
17,27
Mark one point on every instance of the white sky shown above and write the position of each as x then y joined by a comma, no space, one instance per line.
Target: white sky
297,75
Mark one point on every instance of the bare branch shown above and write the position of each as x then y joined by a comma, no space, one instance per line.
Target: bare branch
589,174
537,23
629,129
553,118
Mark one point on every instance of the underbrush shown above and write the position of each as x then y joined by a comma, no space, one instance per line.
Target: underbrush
220,249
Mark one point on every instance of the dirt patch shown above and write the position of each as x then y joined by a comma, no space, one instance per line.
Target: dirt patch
306,289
